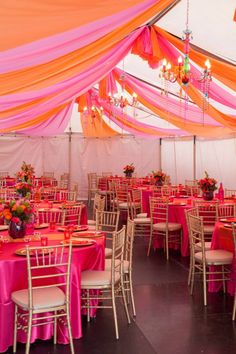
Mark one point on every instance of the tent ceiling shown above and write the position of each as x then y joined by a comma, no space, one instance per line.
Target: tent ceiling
211,22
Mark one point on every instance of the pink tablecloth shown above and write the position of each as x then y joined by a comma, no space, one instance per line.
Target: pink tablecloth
176,214
13,276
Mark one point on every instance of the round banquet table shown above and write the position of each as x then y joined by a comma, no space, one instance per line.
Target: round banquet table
13,275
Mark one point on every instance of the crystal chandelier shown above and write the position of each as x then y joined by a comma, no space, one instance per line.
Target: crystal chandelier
182,72
122,100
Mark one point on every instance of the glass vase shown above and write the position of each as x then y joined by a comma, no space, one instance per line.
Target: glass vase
17,230
208,195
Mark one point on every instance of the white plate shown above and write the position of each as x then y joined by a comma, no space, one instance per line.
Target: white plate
4,227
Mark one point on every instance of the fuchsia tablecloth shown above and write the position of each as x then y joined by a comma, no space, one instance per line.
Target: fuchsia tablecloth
13,276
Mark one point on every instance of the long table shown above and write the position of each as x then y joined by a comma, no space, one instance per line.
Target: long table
13,276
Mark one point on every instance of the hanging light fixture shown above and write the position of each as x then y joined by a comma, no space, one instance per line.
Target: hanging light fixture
182,72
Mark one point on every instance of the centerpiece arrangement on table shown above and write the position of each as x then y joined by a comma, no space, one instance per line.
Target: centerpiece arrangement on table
24,177
159,177
128,170
17,213
208,186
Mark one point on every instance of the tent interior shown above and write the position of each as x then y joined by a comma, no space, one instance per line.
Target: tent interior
171,126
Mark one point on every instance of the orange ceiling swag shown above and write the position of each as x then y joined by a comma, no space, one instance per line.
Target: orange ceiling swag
94,126
225,72
64,67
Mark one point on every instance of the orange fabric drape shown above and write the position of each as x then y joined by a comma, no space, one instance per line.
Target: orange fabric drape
24,21
96,127
225,72
73,63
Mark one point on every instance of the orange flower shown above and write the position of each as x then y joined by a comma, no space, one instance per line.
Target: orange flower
14,207
8,216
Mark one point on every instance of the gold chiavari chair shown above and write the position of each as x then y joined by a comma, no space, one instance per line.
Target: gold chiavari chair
142,223
108,222
127,264
192,191
98,205
106,174
160,226
48,174
209,213
47,216
44,302
191,182
110,283
67,196
48,193
92,186
71,214
230,192
226,211
203,259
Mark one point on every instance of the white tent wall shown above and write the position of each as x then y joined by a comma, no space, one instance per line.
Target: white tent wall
177,159
111,155
217,157
87,155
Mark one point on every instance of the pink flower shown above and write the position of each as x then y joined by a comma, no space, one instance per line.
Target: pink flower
15,219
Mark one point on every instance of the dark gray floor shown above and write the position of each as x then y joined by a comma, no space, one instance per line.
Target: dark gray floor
169,320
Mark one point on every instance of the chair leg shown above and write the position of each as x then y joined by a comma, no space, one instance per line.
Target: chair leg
223,278
69,329
167,246
15,329
114,312
88,307
204,286
190,269
192,276
150,242
55,329
132,293
234,309
29,332
124,300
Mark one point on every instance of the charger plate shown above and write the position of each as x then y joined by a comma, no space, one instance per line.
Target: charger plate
22,251
89,234
41,226
77,228
78,242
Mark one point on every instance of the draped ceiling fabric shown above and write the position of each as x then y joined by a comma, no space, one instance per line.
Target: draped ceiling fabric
52,53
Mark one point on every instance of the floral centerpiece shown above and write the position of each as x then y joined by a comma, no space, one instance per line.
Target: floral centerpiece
208,186
17,213
26,173
128,170
24,176
159,177
23,188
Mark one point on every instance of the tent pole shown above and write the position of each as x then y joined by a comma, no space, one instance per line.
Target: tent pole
194,157
160,153
69,158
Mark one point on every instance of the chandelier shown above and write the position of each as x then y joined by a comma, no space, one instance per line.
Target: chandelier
182,72
121,99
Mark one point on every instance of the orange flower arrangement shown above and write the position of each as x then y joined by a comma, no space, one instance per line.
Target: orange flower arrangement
16,210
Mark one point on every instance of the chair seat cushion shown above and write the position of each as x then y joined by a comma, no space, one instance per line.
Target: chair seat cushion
216,257
42,298
142,220
91,222
97,278
142,215
125,265
108,252
208,229
172,226
123,205
198,246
